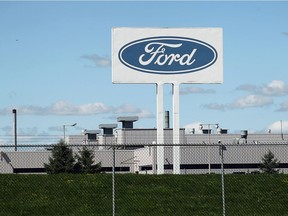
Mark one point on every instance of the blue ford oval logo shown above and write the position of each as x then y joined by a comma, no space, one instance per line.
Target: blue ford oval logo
168,55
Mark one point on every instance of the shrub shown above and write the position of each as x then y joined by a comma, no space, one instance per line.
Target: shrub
85,162
269,163
62,160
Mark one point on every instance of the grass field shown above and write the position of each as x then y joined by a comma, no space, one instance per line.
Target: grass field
143,195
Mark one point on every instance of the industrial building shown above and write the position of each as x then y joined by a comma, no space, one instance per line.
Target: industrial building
136,150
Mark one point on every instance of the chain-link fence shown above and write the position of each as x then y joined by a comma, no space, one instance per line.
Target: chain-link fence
217,179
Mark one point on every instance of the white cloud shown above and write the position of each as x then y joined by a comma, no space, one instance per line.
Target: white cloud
215,106
145,114
196,90
274,88
55,128
260,96
66,108
61,108
278,127
283,107
98,60
128,109
248,87
251,101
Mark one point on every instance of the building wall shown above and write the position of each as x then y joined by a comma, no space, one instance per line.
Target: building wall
195,159
129,136
197,152
235,138
34,161
13,161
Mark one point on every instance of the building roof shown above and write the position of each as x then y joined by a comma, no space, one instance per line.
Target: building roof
127,118
102,126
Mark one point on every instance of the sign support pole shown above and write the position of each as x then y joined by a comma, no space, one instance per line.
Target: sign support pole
176,129
160,129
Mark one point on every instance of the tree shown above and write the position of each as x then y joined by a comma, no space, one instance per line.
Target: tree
62,160
269,163
85,162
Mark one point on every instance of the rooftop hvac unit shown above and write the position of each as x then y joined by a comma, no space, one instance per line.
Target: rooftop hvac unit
107,128
206,131
127,121
244,134
222,131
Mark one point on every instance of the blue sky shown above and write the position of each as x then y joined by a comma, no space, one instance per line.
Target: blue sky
55,65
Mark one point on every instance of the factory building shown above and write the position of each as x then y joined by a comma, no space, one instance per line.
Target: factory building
136,150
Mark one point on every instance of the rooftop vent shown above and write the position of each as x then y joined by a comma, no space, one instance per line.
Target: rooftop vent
91,134
244,134
127,121
222,131
107,128
206,131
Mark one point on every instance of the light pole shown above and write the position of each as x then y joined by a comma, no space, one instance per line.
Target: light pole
64,129
281,130
222,148
14,111
209,143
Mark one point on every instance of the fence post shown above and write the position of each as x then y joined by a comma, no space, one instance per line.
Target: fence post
221,152
113,182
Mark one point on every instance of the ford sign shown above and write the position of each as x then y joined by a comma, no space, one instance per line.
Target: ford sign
167,55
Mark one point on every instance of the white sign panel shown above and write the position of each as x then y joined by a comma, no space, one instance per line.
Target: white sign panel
167,55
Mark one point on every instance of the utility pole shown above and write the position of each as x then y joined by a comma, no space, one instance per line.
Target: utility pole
15,128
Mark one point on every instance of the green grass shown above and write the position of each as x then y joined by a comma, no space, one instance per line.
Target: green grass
143,195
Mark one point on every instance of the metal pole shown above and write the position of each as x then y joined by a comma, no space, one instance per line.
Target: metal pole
113,183
209,144
14,111
176,129
209,153
154,158
64,129
281,130
160,129
222,148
